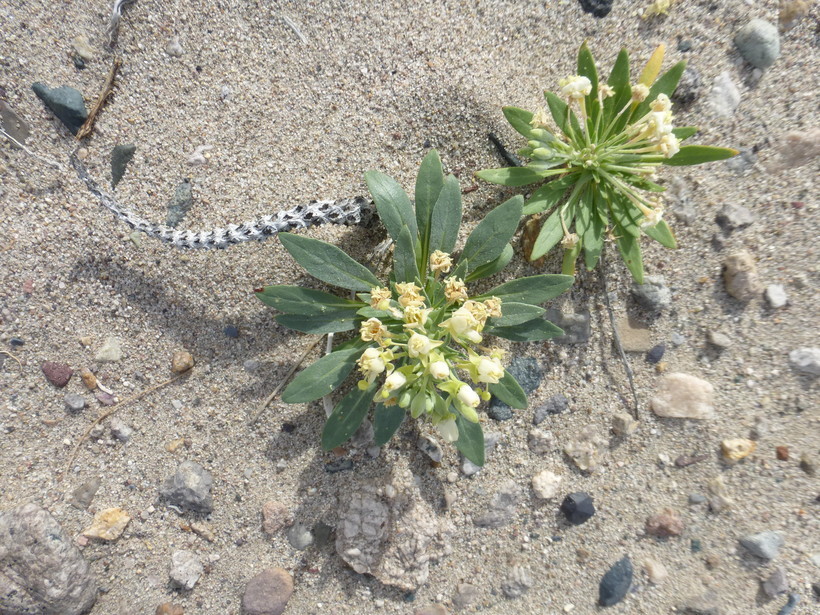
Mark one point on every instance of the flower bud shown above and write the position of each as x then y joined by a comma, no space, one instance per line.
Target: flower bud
395,381
439,370
468,396
448,430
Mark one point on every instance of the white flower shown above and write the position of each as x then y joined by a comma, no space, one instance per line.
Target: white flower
394,381
575,87
653,217
460,323
440,262
448,430
639,92
371,364
439,370
661,103
669,145
569,241
468,396
604,91
489,370
421,345
372,330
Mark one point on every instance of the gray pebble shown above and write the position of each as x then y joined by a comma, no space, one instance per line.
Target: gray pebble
776,583
64,102
431,448
732,217
718,339
791,603
677,339
557,404
121,430
806,360
13,124
299,536
517,583
173,48
180,203
696,498
528,373
655,354
186,569
742,162
759,43
466,595
502,507
74,402
765,544
724,97
653,294
340,465
121,155
82,496
251,365
707,603
189,488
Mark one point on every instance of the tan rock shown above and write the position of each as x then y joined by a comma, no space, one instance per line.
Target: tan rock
683,396
275,516
656,571
635,335
168,608
741,277
181,361
735,449
665,523
88,378
108,524
545,484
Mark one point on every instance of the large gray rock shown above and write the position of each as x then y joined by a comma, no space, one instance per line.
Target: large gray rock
759,43
42,572
189,488
64,102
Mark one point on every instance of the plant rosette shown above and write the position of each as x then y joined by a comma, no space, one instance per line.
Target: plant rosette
422,345
600,148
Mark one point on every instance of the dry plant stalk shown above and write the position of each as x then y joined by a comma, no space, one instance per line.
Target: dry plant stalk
88,126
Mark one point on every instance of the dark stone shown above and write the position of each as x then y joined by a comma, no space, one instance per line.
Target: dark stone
499,411
121,155
733,217
322,534
231,332
42,572
615,583
656,354
79,63
576,326
695,546
791,603
64,102
529,374
340,465
684,45
689,88
598,8
180,203
16,342
556,404
57,374
189,488
578,507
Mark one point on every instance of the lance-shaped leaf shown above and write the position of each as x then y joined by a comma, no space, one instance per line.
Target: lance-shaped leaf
533,289
386,422
493,267
509,391
470,441
653,66
564,117
698,154
346,417
299,300
548,195
323,377
630,250
662,234
392,203
510,176
429,183
513,313
446,218
404,258
586,67
552,231
684,132
490,237
519,119
328,263
535,330
332,322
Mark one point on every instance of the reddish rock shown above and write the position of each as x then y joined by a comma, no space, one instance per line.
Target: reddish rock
664,524
268,592
168,608
782,453
57,374
275,516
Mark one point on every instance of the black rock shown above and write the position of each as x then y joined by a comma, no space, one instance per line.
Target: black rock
64,102
684,45
79,63
615,583
598,8
791,603
121,155
189,488
16,342
180,203
689,88
528,373
655,354
322,534
499,411
554,405
231,332
578,507
340,465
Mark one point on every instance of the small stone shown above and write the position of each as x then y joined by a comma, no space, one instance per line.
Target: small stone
635,336
121,430
468,468
181,361
231,331
578,508
683,461
431,448
734,216
110,351
759,43
189,488
199,157
623,424
677,339
808,464
105,398
739,164
466,595
528,373
502,507
791,603
798,148
689,88
108,524
735,449
16,342
741,277
615,583
74,402
432,609
13,124
665,524
340,465
684,45
792,11
696,498
545,484
588,450
186,569
776,583
597,8
121,155
169,608
81,497
653,294
656,571
299,536
782,453
707,603
724,96
83,47
719,499
173,48
268,592
655,354
557,404
179,205
718,339
685,397
765,545
805,360
776,296
541,442
57,374
275,516
576,326
64,102
203,530
322,534
517,583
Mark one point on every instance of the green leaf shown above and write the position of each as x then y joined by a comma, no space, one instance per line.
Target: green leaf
593,237
470,441
404,258
625,214
665,84
513,313
490,237
328,263
698,154
548,195
662,234
332,322
392,203
534,330
585,209
618,81
519,119
509,391
386,421
300,300
533,289
346,417
493,267
551,232
630,250
586,67
510,176
429,183
684,132
560,110
323,377
446,218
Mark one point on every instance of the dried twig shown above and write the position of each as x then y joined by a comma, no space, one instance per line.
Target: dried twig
49,162
7,353
88,126
295,28
111,411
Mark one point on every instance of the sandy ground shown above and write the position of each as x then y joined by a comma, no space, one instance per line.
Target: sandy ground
374,86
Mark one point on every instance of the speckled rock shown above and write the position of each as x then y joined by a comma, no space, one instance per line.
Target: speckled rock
275,516
765,545
268,592
759,43
189,488
741,277
545,484
180,203
186,569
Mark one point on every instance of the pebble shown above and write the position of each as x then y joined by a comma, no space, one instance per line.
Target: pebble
677,339
528,373
109,352
121,155
655,354
685,397
808,464
615,583
635,335
189,488
432,609
799,148
782,453
719,499
556,404
733,217
597,8
624,424
173,48
42,570
741,277
576,326
74,402
759,43
186,569
121,430
340,465
299,536
181,361
105,398
466,595
275,516
88,378
707,603
203,530
653,294
656,571
541,442
169,608
791,603
57,374
468,468
718,339
502,507
735,449
83,47
689,88
250,366
179,205
588,450
108,524
578,508
765,545
545,484
792,11
696,498
65,103
805,360
199,157
517,583
82,496
776,583
268,592
13,124
322,534
231,331
431,448
665,524
740,163
724,97
776,296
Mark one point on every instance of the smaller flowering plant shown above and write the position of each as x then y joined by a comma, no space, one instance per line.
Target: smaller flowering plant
422,340
600,148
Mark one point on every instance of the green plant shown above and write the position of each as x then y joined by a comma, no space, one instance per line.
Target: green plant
600,158
419,347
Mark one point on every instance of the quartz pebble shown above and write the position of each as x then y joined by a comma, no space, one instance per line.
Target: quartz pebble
685,397
108,524
656,571
299,536
735,449
545,484
83,47
268,592
541,442
765,545
776,296
186,569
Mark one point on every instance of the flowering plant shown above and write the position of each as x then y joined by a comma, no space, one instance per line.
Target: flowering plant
421,338
600,157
